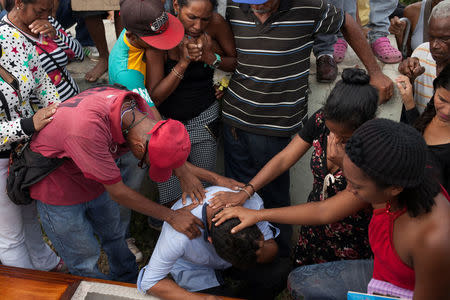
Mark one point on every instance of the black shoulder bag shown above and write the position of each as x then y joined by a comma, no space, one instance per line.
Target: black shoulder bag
25,169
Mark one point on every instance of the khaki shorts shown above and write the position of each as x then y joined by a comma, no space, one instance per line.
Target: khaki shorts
89,5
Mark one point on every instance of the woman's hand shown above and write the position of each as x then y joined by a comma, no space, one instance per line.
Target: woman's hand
247,216
201,49
405,88
335,150
227,199
193,49
218,91
228,182
206,43
43,27
185,56
44,116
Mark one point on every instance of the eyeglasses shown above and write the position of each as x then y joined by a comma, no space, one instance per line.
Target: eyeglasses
142,164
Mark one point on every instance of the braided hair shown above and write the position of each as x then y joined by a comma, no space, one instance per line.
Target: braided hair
395,154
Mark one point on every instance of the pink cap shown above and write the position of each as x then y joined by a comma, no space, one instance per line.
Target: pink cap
168,149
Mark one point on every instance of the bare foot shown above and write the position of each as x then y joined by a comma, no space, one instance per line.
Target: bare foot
97,71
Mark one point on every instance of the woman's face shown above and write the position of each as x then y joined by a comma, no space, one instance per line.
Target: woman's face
442,105
362,186
34,11
341,131
195,16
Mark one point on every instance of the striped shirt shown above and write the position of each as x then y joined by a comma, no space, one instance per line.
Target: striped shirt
62,48
423,85
267,93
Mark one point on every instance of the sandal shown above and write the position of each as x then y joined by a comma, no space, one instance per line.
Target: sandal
384,51
339,50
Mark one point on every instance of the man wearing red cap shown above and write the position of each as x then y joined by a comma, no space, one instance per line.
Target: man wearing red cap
148,27
90,130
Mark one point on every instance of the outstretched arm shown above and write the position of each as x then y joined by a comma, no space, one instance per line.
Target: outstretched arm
279,164
181,220
328,211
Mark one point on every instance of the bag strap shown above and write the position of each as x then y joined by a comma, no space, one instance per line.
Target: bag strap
61,70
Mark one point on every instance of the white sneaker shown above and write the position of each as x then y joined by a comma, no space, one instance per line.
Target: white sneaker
135,250
91,52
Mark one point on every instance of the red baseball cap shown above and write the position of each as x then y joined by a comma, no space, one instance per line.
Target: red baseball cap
148,20
168,149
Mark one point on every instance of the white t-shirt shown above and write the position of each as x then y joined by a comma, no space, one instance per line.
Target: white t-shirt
191,262
423,85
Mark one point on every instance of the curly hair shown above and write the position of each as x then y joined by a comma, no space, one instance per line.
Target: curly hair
394,154
239,248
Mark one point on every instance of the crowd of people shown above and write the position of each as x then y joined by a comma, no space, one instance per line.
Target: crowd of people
377,219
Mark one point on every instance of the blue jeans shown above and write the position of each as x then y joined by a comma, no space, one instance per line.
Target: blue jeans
132,176
71,229
380,10
67,19
245,155
323,43
330,281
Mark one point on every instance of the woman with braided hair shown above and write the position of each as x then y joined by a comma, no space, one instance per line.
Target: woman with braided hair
385,164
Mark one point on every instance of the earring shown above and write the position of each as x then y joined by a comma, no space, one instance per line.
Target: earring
17,7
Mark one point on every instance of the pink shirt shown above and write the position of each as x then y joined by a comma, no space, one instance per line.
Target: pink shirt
87,130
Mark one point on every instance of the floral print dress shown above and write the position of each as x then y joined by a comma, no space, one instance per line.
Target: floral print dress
347,239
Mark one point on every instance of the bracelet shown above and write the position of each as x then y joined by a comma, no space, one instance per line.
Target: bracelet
243,189
175,72
251,185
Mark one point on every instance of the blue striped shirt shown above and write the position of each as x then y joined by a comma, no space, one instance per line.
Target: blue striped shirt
267,93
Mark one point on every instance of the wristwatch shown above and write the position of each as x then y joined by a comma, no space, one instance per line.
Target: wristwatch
216,63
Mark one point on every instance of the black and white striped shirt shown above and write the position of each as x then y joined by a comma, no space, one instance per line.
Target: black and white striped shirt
67,48
62,48
267,92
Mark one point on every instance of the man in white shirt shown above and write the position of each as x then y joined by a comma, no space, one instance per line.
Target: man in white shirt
200,264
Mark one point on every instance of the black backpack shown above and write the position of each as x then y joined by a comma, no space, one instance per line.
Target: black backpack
25,169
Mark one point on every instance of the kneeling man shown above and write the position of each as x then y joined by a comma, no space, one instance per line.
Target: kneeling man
202,264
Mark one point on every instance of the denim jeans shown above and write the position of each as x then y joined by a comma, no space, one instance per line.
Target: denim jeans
245,155
71,229
323,43
66,17
380,10
330,281
132,176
